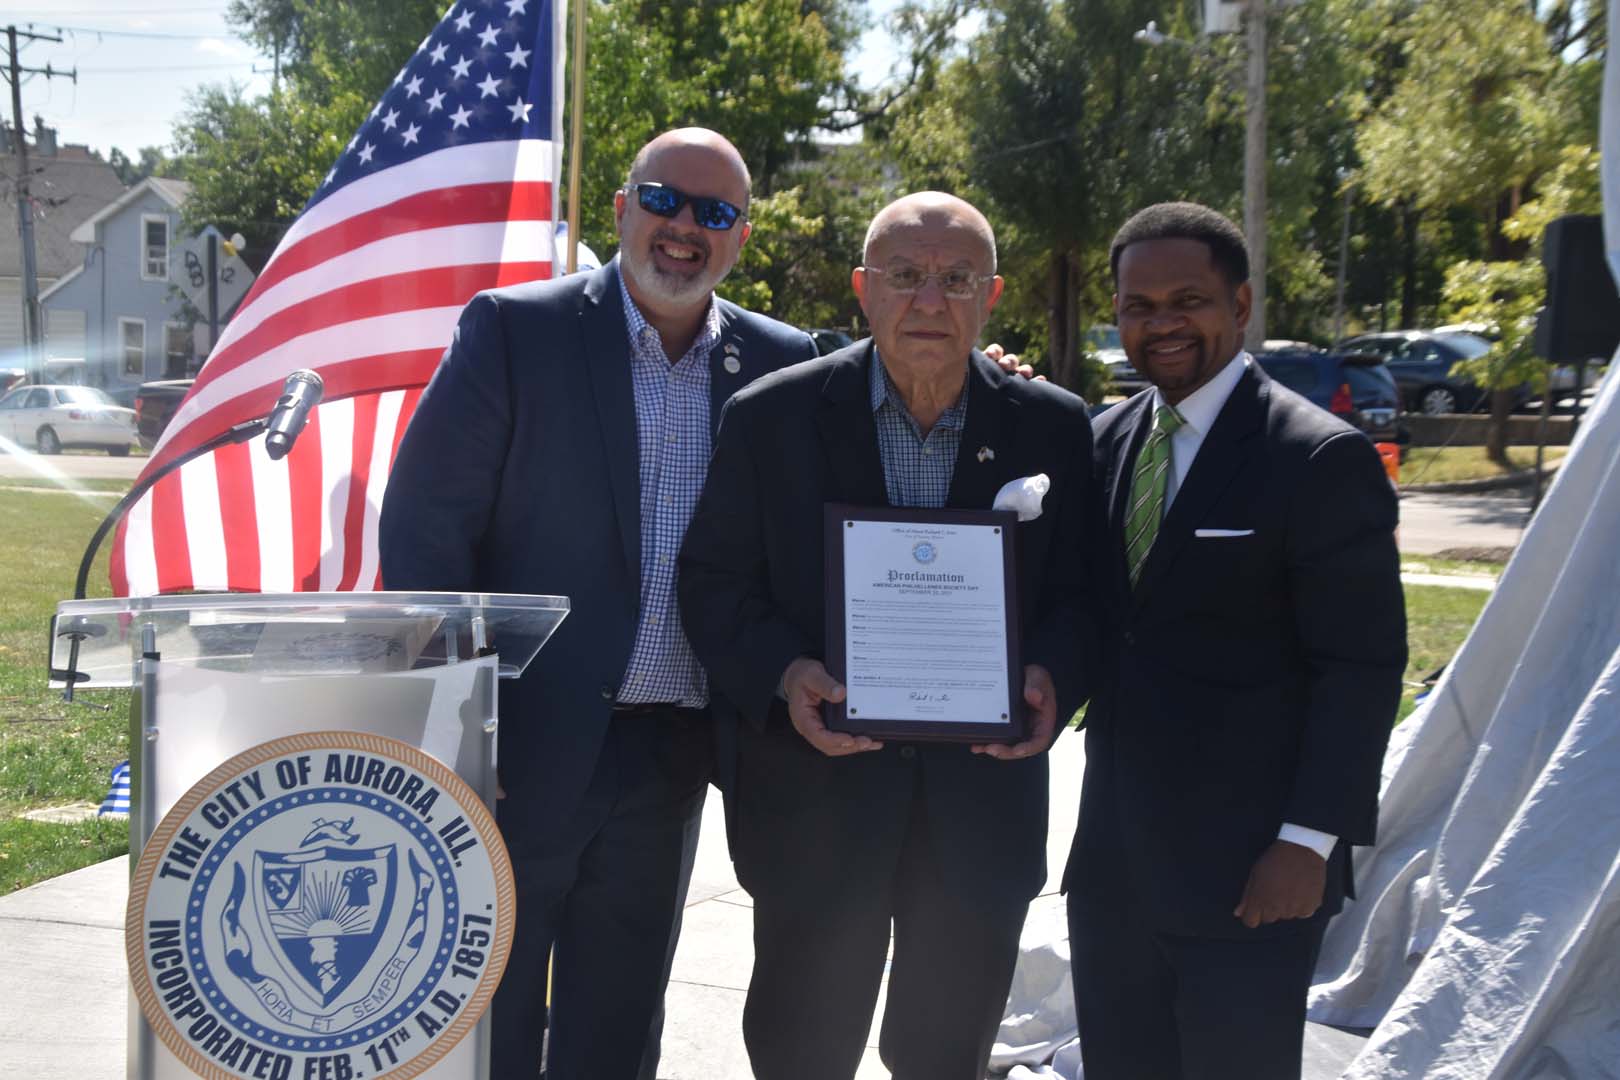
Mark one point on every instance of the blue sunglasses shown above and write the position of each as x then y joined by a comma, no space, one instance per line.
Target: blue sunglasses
665,201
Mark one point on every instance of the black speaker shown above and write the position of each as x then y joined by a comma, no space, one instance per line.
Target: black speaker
1582,316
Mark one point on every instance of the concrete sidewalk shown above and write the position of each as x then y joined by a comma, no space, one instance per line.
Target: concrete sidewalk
63,979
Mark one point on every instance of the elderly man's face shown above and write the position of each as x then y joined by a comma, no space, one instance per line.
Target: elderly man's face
675,262
927,329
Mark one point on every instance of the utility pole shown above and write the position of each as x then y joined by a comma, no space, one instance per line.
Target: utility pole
1254,168
33,331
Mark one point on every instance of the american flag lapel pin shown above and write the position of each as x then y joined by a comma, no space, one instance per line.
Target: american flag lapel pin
986,454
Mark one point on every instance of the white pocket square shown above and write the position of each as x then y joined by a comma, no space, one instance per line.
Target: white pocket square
1023,495
1209,534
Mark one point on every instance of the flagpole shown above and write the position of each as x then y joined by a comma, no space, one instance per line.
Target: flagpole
576,134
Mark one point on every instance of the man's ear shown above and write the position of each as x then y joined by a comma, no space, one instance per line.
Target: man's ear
996,287
1243,301
857,281
747,230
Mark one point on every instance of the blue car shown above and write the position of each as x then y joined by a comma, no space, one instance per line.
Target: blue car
1357,387
1421,362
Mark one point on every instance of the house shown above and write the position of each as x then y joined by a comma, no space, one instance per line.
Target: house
68,186
121,296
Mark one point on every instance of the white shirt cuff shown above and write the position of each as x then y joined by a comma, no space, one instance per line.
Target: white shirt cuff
1319,842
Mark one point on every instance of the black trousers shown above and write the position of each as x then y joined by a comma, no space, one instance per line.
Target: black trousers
1156,1006
604,891
819,951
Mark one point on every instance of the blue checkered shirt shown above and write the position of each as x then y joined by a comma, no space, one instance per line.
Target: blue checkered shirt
672,431
917,468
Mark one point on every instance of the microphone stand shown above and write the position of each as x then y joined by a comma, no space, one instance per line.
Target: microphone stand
240,433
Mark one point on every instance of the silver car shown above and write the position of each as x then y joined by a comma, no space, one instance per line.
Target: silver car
51,418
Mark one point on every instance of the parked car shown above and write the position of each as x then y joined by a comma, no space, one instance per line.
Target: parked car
155,403
1102,341
1421,361
1357,387
829,341
52,418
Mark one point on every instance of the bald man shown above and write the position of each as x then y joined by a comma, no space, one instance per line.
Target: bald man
836,836
560,449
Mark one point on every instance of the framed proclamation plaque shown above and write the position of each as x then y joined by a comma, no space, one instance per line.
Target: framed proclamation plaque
922,624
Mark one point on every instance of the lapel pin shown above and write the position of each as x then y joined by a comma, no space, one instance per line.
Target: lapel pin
986,454
732,364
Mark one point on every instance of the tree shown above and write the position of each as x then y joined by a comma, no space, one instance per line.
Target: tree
149,161
1491,101
765,73
1506,295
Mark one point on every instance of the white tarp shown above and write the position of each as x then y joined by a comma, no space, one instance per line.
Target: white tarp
1486,944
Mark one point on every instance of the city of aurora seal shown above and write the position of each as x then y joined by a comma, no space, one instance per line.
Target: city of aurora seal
321,907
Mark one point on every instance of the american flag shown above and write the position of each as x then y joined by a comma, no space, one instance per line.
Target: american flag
448,187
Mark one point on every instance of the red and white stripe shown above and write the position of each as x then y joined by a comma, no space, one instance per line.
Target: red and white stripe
365,288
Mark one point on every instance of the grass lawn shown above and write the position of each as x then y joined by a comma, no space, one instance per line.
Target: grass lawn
1437,620
50,752
1448,464
53,753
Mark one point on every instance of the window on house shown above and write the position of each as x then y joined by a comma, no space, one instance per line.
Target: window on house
179,352
154,247
132,343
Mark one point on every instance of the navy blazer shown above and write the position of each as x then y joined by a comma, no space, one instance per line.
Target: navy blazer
752,600
519,474
1249,679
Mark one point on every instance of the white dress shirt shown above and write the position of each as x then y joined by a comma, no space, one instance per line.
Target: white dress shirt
1198,411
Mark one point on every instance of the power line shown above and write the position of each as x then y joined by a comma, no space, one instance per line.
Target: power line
164,67
211,9
127,33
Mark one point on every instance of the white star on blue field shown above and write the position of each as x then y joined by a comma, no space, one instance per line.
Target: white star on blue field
473,79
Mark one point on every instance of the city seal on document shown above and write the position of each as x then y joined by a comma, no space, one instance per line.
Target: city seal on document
321,907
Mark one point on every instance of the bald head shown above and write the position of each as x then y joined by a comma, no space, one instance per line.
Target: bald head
927,210
685,142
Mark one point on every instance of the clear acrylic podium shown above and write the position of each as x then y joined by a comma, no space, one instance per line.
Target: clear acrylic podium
215,674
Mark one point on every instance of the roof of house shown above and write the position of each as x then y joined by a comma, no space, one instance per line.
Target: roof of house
66,191
173,192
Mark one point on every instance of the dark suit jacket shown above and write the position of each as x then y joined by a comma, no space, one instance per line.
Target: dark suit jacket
752,601
1249,680
519,474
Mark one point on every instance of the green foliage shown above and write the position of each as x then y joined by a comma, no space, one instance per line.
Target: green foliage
1507,294
766,74
1504,296
149,161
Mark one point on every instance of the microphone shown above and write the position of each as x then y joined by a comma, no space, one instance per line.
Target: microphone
299,394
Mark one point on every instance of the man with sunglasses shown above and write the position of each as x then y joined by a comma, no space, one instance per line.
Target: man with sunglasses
836,836
560,449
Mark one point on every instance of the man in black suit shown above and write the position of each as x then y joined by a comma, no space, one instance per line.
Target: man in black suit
1253,637
836,835
560,449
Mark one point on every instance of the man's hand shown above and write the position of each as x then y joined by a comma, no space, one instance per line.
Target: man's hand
806,685
1286,882
1009,363
1041,698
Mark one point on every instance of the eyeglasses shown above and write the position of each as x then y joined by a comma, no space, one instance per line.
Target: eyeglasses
958,283
665,201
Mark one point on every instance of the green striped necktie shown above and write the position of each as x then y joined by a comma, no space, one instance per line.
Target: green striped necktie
1147,490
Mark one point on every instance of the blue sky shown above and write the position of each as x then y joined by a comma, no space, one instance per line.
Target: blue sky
137,60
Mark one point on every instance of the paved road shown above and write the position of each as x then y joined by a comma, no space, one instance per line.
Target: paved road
1434,523
76,465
